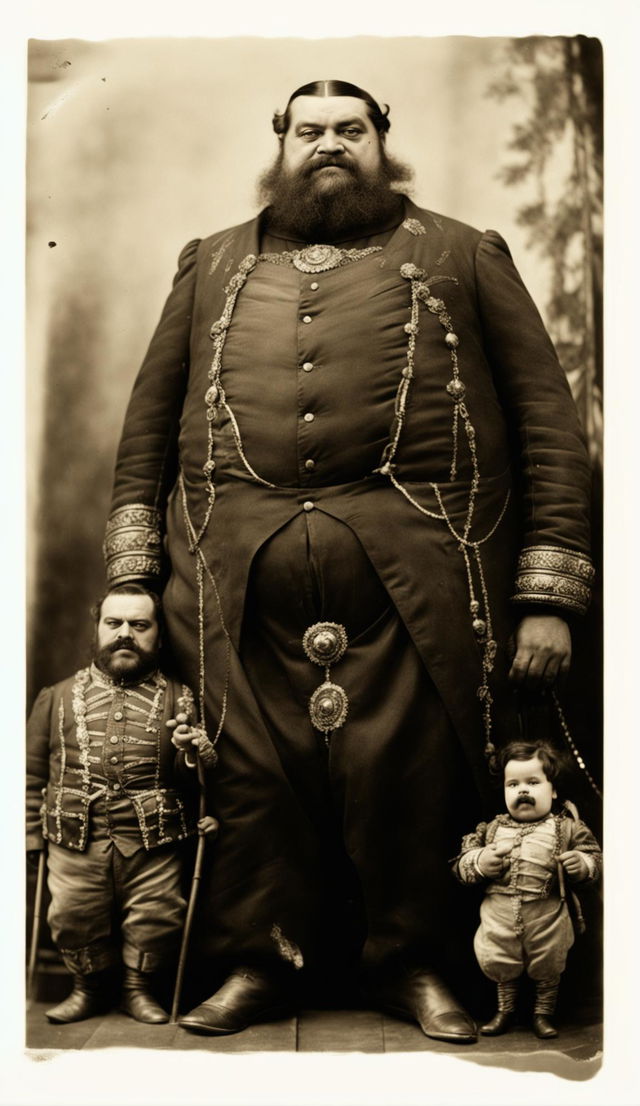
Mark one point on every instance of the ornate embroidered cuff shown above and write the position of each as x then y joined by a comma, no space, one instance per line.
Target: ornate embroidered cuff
556,576
133,543
468,870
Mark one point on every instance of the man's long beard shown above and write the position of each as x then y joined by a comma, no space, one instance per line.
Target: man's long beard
321,210
125,670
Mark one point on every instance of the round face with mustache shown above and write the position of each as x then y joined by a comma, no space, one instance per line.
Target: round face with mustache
127,637
329,139
527,791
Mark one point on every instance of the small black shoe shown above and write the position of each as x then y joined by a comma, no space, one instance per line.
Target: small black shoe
500,1023
247,996
137,1001
422,996
542,1027
90,996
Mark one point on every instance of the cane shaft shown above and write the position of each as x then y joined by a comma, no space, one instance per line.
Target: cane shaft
35,929
193,895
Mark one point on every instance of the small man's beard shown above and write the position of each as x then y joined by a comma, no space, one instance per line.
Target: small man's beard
324,207
126,670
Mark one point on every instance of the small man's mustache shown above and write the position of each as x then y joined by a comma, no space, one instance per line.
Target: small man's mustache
525,800
124,643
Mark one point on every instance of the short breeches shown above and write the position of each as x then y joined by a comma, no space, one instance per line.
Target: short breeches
540,951
88,888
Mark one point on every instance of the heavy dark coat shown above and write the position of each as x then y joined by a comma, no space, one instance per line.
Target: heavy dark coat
528,443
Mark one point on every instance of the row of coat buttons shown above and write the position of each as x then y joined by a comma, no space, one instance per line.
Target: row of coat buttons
309,417
314,288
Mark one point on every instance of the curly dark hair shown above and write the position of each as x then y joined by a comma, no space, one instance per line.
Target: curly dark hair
379,116
553,760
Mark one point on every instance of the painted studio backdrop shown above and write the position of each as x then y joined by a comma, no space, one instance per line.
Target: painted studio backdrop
137,146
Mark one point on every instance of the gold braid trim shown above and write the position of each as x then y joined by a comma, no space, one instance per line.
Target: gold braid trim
550,574
133,543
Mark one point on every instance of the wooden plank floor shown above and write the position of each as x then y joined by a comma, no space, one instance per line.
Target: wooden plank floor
575,1053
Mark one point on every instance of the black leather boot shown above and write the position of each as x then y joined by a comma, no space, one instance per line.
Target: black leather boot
247,996
136,999
545,1004
422,996
505,1015
90,996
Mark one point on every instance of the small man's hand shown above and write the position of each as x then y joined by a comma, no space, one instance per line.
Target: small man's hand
492,861
209,826
184,735
574,864
542,651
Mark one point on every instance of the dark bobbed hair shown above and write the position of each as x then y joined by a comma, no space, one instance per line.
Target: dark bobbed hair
131,588
379,116
553,760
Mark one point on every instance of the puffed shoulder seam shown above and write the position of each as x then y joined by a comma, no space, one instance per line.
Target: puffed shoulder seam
188,252
491,240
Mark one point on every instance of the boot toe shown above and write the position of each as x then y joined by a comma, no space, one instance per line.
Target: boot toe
454,1025
76,1008
500,1023
246,997
543,1028
144,1009
211,1017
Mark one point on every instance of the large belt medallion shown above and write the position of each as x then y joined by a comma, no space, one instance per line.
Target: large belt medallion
325,644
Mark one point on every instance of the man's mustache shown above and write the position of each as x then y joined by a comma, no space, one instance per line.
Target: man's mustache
125,643
525,800
323,161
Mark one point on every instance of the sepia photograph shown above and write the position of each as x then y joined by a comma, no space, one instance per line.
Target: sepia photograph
314,578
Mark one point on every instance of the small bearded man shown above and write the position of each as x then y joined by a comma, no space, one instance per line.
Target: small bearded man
353,437
112,798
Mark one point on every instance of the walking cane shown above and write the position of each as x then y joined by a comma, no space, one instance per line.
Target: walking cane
35,929
195,884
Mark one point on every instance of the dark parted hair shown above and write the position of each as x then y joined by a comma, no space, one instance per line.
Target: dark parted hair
130,589
553,760
378,115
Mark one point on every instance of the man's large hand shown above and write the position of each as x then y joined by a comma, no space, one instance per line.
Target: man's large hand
543,650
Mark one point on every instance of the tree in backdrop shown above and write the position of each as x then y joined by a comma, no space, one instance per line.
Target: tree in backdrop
558,164
560,156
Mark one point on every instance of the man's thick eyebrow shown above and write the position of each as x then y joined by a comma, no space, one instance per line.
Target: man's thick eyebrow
341,123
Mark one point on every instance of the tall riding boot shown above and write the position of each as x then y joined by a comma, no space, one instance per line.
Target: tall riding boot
136,999
505,1015
91,995
545,1004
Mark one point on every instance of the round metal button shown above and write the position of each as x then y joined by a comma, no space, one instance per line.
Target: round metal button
118,716
314,285
308,505
116,787
308,365
309,465
306,318
309,417
113,740
114,760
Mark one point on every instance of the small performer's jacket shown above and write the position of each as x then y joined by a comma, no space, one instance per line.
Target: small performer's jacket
100,764
534,870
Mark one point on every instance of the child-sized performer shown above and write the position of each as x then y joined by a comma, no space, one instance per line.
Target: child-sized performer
523,856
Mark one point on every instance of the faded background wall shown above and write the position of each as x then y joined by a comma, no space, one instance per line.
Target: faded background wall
136,146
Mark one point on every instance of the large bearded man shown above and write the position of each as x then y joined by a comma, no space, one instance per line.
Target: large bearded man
354,438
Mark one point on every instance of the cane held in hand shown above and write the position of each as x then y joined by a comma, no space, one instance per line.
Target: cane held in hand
194,744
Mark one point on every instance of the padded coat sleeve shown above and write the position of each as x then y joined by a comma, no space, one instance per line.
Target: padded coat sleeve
146,464
38,731
555,473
